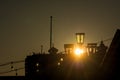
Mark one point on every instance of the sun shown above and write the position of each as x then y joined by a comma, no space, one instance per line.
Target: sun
78,51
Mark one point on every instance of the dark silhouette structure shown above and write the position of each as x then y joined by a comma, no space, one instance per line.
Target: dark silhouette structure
56,66
53,67
110,68
12,78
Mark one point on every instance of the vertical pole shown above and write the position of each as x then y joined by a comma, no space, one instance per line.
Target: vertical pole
16,72
50,32
41,49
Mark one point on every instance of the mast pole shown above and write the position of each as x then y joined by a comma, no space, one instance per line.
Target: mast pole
50,32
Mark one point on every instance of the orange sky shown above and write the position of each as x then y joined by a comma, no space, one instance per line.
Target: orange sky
24,24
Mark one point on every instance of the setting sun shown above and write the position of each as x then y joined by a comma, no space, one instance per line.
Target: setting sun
78,51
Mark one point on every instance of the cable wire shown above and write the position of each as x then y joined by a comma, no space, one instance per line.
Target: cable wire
12,62
11,70
105,40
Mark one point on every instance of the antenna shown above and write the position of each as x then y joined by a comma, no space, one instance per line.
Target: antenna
41,49
50,32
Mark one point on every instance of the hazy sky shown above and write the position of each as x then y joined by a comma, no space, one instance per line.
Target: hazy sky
24,24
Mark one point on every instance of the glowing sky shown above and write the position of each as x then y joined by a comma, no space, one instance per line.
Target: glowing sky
24,24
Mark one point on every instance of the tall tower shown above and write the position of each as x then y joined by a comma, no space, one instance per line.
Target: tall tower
52,49
50,32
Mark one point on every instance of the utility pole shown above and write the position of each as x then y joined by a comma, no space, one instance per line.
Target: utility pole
50,32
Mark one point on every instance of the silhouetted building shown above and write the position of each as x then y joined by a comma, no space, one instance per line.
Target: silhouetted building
94,59
53,66
68,48
102,49
62,66
110,68
53,50
91,48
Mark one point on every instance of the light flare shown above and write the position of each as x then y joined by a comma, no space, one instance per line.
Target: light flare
78,51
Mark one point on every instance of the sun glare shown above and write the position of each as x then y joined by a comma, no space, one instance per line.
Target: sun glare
78,51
